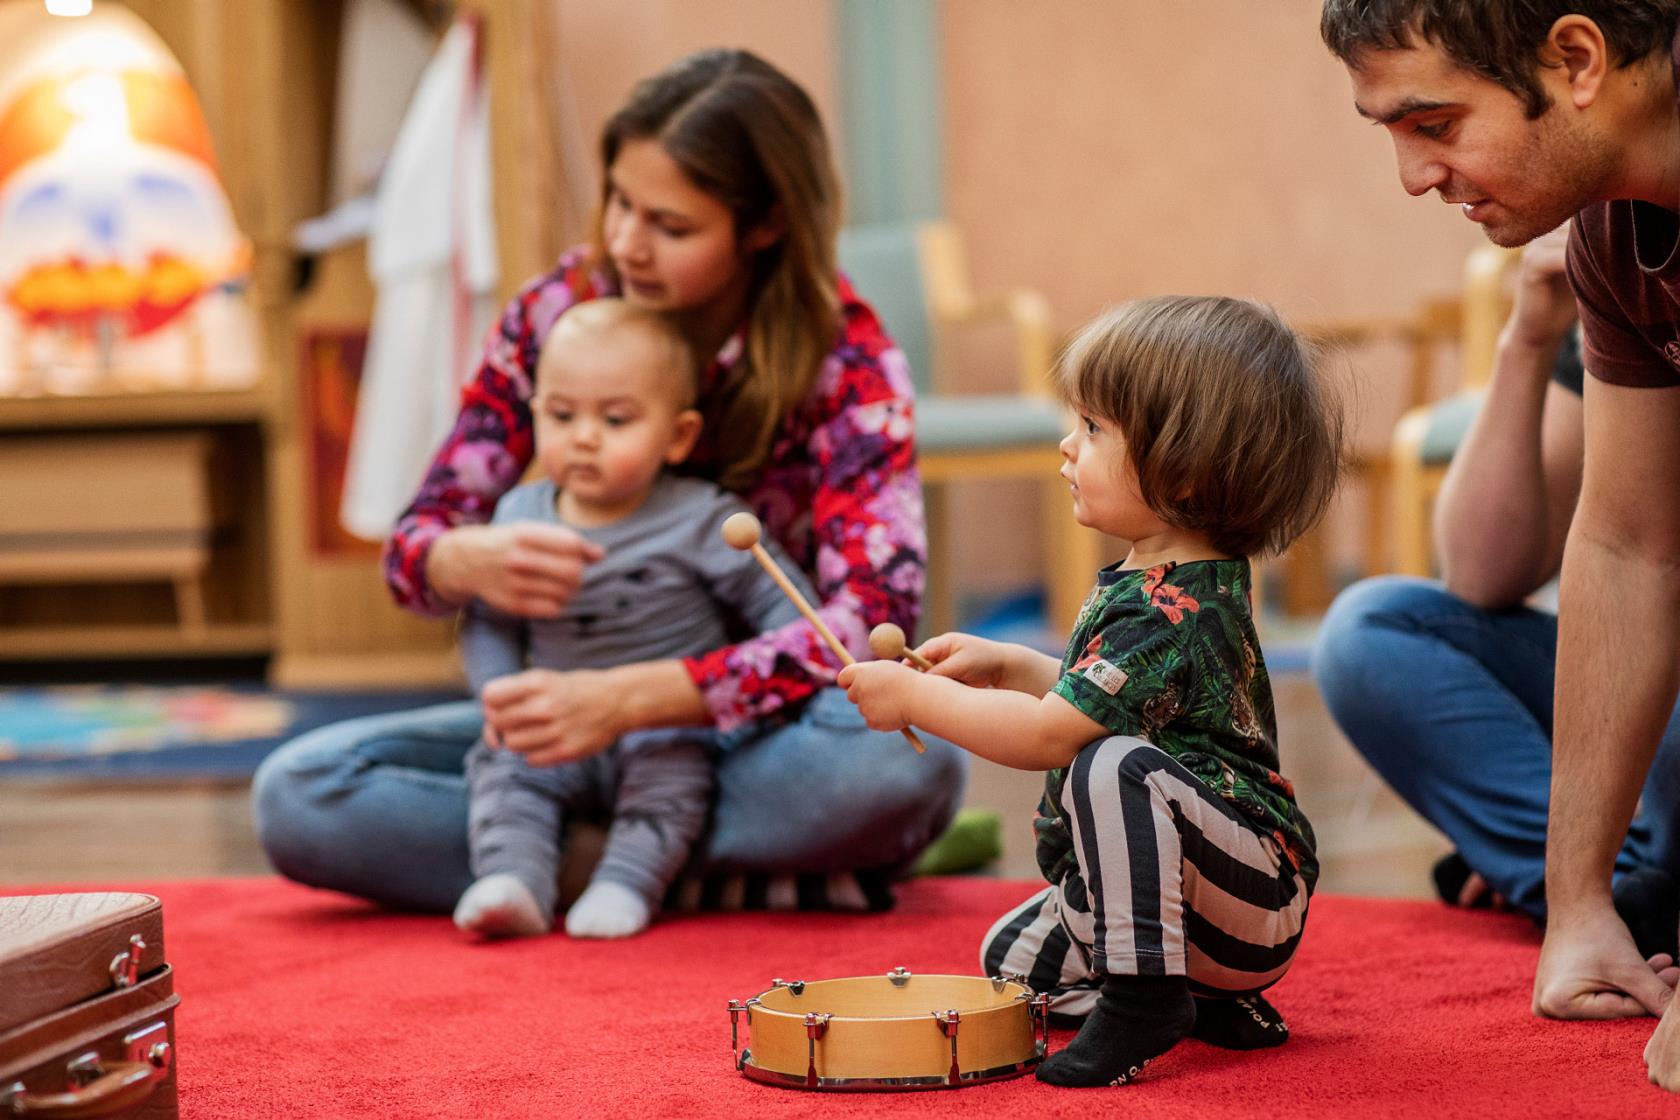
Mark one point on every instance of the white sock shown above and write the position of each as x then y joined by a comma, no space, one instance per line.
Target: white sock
608,909
501,906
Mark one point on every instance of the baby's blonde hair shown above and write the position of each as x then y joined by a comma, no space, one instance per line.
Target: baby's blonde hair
1231,428
602,316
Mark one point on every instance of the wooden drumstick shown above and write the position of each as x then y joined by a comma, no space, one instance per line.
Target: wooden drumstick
743,532
887,642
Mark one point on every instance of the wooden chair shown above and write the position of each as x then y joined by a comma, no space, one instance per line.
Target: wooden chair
1427,436
915,276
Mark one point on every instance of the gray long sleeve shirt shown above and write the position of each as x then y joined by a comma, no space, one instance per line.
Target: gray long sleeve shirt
668,587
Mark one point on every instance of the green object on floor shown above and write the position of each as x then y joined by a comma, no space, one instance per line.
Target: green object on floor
973,840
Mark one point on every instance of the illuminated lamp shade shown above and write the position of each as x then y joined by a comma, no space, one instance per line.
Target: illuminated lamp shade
121,268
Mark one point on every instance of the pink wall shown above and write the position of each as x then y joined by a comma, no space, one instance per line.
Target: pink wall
605,48
1102,151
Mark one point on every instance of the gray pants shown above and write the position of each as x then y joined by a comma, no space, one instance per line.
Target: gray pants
656,786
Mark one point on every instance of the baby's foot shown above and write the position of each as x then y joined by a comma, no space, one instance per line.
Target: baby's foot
608,909
501,906
1135,1021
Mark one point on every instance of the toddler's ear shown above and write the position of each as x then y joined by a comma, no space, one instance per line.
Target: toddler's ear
684,432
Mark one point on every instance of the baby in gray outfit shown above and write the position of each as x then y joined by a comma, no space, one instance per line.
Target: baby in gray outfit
613,406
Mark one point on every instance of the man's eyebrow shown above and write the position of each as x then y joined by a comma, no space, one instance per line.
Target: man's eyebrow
1403,110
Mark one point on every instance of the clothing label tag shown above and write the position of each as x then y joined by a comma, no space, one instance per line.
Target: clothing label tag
1107,677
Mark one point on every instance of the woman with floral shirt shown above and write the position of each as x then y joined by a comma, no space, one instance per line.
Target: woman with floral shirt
719,209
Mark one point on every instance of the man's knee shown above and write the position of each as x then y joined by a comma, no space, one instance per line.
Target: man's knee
1357,630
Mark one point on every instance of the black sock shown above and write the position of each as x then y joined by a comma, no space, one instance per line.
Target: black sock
1648,901
1244,1023
1450,874
1136,1020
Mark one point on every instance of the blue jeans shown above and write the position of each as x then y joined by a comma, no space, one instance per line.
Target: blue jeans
377,806
1452,705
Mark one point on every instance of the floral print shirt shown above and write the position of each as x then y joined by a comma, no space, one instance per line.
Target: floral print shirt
840,490
1168,654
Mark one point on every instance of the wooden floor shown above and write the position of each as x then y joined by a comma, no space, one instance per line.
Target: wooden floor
1369,842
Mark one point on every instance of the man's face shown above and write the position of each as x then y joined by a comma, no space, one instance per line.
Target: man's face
1468,138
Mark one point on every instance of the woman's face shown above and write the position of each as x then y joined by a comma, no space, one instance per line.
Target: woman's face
674,245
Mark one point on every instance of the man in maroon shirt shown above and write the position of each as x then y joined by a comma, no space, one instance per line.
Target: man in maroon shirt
1525,112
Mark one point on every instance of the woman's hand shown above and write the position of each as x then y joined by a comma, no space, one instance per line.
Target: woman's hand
526,568
552,717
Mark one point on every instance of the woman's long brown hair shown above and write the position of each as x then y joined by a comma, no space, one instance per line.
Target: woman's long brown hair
750,137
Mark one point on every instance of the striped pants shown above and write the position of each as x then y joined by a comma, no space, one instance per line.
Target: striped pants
1171,881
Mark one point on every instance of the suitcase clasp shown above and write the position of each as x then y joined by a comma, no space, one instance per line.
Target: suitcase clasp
125,967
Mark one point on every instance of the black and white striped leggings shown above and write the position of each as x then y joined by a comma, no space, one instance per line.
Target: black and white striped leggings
1171,882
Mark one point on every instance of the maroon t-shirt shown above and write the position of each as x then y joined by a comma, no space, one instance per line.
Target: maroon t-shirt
1624,264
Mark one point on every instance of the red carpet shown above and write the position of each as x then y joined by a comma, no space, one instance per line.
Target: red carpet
297,1003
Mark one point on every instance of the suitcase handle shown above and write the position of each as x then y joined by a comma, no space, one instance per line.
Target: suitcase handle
121,1087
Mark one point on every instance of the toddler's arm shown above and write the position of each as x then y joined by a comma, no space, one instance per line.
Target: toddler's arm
1009,727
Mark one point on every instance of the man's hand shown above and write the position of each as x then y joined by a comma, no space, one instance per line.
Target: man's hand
1662,1053
881,690
1543,306
551,717
1589,969
529,569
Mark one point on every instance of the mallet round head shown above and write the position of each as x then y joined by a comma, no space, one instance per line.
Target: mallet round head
742,530
886,641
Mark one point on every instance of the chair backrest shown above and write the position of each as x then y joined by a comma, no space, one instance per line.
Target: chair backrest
1487,301
884,264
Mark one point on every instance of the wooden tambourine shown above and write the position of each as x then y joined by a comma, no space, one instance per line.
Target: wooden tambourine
896,1031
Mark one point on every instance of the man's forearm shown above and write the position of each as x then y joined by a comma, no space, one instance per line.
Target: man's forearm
1617,653
1492,518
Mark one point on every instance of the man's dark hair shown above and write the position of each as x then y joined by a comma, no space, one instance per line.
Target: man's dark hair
1498,39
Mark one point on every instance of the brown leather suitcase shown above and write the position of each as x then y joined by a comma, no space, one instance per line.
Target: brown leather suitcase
87,1008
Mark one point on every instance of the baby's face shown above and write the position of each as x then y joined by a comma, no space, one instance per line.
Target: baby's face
609,416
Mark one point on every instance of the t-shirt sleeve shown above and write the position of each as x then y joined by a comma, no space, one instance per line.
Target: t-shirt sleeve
1611,347
1131,675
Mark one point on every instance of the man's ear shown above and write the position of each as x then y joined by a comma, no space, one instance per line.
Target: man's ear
766,233
684,433
1576,45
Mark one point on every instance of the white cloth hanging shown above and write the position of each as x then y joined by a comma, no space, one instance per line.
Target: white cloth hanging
432,258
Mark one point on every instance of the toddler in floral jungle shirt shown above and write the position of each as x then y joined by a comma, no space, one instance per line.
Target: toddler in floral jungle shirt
1179,864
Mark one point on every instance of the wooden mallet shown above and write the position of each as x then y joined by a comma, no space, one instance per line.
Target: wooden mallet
743,532
887,642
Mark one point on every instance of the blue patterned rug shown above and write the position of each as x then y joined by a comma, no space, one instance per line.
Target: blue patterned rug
214,731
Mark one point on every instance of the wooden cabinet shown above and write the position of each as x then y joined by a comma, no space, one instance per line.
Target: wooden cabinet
140,535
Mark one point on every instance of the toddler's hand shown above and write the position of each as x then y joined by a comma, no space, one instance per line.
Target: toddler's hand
881,691
974,661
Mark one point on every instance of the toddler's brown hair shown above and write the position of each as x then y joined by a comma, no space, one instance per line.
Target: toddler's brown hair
1232,429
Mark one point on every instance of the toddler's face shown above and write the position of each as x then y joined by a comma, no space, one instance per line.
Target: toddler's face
1099,472
608,418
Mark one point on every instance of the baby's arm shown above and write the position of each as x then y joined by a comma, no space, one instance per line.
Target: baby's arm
1009,727
492,644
